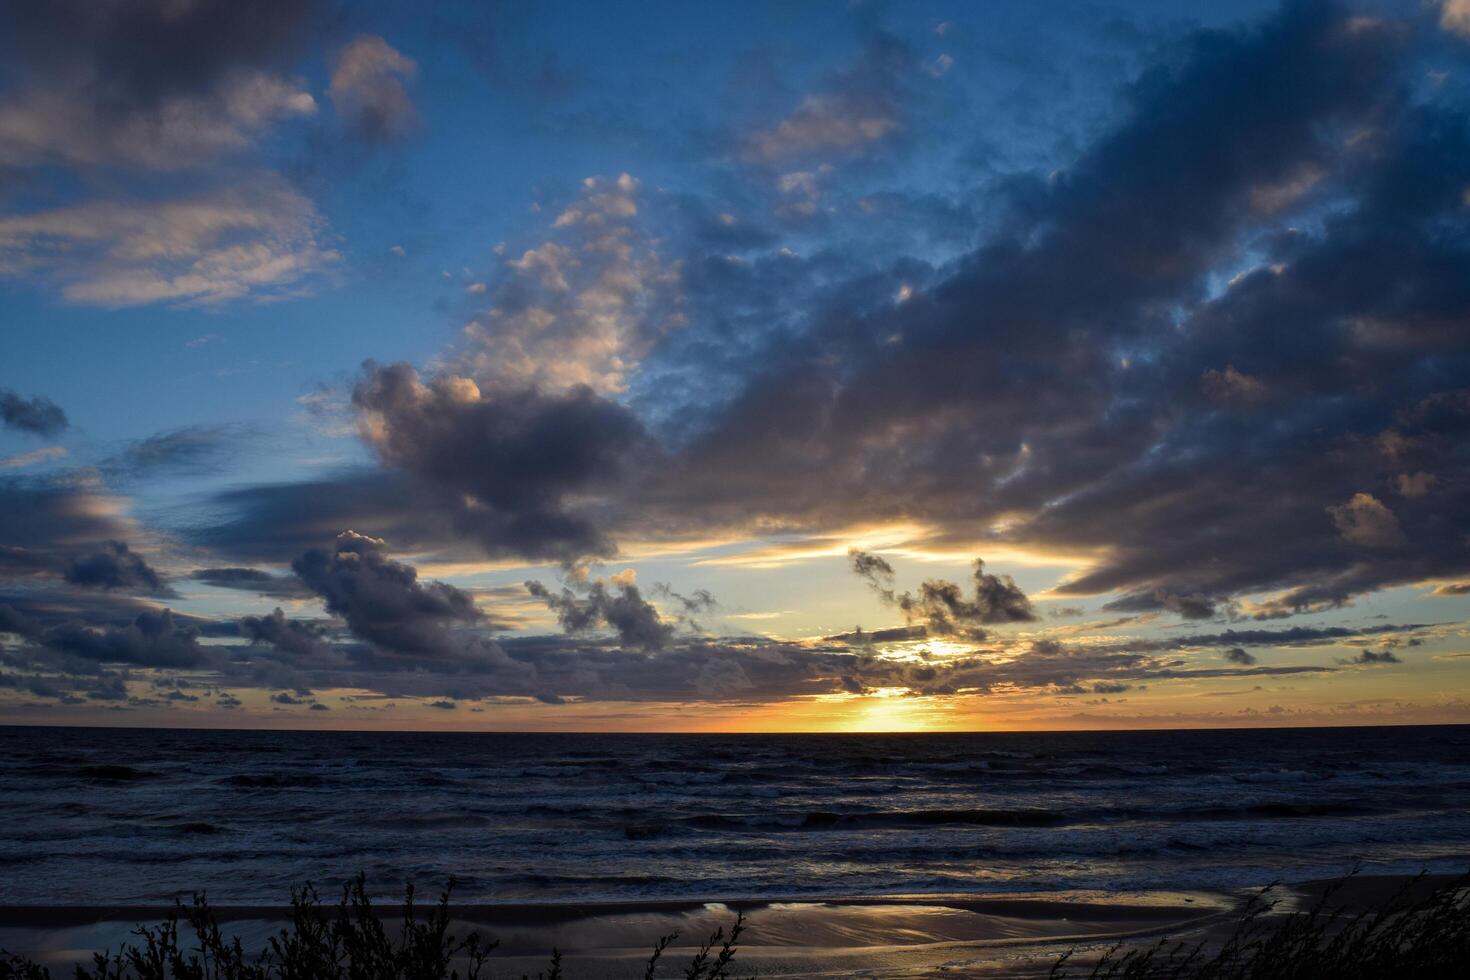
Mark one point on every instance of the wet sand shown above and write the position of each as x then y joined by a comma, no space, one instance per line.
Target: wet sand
1018,935
897,936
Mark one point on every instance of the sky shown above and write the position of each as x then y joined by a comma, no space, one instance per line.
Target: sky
734,367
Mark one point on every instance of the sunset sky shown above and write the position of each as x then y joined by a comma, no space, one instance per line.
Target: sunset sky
749,366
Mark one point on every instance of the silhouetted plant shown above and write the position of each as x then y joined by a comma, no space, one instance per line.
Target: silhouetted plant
1427,937
352,944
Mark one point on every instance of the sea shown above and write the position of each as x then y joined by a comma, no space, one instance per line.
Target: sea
139,817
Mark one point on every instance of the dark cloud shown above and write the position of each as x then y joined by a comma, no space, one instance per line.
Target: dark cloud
52,529
1107,373
276,522
195,448
36,415
900,634
383,602
1294,636
1090,381
698,601
301,640
1094,376
1368,658
1239,655
621,608
873,568
15,621
147,83
252,580
1044,665
187,46
115,566
520,455
1195,606
941,607
152,639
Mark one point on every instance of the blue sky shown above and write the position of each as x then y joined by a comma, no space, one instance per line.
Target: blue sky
642,302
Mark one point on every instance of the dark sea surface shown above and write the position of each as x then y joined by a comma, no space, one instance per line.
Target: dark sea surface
136,817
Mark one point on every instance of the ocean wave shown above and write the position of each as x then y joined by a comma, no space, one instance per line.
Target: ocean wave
274,780
111,774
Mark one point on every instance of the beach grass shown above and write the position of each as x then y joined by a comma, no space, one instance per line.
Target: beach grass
1417,928
349,942
1421,930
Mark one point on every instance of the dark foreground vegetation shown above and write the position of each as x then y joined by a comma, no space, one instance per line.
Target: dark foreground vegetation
1421,932
350,942
1421,937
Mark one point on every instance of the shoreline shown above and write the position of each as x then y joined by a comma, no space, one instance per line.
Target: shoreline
1145,904
891,936
888,937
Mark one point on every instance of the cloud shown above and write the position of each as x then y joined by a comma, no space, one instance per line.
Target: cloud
367,89
152,639
114,567
252,580
1080,383
1052,389
1368,658
293,637
873,568
258,240
37,415
383,602
622,608
1293,636
151,84
45,524
860,106
584,306
1231,385
23,460
1187,605
47,127
1238,655
520,456
1365,520
1454,16
940,606
1414,484
193,448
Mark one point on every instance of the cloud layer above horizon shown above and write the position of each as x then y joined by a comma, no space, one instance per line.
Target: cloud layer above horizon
895,385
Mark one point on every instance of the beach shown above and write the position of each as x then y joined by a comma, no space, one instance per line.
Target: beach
862,855
899,936
887,938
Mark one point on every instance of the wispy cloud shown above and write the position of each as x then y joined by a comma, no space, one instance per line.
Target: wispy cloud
260,240
32,458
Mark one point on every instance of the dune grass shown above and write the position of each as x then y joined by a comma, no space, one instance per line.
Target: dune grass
349,942
1421,938
1421,932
